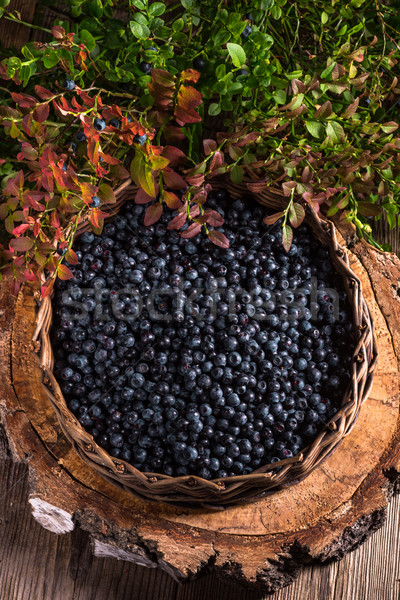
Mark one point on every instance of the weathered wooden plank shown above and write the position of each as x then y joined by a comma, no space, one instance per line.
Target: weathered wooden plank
13,34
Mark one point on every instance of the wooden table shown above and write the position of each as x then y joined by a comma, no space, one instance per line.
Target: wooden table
38,565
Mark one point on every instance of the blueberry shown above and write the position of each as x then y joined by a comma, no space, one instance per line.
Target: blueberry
140,139
99,124
115,123
199,63
80,136
69,84
95,202
145,66
246,31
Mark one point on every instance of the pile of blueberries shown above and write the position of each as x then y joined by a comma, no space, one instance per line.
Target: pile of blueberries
182,357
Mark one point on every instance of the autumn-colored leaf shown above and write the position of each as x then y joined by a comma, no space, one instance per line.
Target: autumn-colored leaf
287,237
64,272
209,146
173,180
171,200
18,231
324,111
43,93
178,221
351,109
106,194
153,214
58,32
24,100
143,198
21,244
271,219
174,155
159,162
41,112
191,231
71,257
296,214
190,75
218,238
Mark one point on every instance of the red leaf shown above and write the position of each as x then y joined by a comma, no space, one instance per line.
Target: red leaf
93,151
214,218
153,214
174,155
209,146
191,231
111,160
20,229
43,93
21,244
218,238
143,198
24,100
173,180
58,32
196,179
71,257
172,200
41,112
217,160
28,151
271,219
287,237
178,221
64,272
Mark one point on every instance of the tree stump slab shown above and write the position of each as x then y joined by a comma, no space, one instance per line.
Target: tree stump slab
262,544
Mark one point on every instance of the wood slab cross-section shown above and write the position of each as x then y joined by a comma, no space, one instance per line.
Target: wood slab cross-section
262,544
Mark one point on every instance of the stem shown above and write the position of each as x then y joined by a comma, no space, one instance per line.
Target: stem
10,17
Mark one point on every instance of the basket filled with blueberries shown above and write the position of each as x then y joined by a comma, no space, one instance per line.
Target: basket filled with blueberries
202,375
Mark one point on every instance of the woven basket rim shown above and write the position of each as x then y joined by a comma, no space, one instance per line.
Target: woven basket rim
192,490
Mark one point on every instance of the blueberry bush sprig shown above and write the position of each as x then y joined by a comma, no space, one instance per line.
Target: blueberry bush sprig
303,96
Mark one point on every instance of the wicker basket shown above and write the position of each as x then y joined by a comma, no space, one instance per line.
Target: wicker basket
193,491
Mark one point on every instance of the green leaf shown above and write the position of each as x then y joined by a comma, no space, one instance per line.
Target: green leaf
214,109
4,3
87,39
50,59
96,9
335,132
156,9
187,4
237,54
136,29
140,4
326,72
316,128
237,174
324,17
178,25
221,37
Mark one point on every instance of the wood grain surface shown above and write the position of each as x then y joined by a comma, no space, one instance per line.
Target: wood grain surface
15,35
38,565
